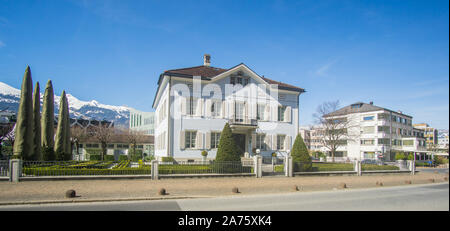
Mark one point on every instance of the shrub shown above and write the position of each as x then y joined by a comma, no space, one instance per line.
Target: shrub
47,153
204,153
123,157
109,158
300,155
410,157
227,149
400,156
274,154
167,159
95,157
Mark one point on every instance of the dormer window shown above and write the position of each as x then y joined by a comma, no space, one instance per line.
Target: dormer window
355,106
239,80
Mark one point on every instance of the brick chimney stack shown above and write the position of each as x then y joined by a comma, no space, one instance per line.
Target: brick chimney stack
206,60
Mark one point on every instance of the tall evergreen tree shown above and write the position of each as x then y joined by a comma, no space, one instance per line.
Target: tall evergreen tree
300,155
48,123
227,149
60,139
37,122
23,144
67,142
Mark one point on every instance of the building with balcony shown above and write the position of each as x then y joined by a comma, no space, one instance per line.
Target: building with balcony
193,104
431,134
373,133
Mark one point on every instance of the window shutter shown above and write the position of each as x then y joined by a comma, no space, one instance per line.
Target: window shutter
268,142
231,109
199,107
254,110
274,142
287,143
208,140
246,113
183,105
224,109
267,112
199,140
208,108
287,114
182,140
275,113
253,141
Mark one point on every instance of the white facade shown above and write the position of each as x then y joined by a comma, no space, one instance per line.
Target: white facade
374,134
190,118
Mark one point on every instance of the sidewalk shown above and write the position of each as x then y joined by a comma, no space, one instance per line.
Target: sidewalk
137,189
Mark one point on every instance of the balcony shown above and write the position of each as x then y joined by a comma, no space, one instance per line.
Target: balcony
242,123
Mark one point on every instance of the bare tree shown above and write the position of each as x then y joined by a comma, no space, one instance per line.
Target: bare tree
134,138
333,127
103,134
5,134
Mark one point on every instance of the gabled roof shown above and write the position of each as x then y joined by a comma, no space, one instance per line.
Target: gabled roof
360,107
208,73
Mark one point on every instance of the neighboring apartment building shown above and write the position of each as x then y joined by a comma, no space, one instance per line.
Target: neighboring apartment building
373,133
431,134
142,121
193,105
443,139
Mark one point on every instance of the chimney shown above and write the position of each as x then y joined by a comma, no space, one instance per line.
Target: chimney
206,60
371,102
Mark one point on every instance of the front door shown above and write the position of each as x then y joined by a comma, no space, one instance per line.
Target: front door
239,139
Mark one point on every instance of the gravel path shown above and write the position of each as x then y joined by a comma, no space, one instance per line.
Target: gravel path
32,191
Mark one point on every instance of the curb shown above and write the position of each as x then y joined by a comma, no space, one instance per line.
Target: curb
98,200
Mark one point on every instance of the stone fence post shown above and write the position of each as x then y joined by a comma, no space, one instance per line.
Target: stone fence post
357,167
257,160
15,170
412,166
155,170
288,166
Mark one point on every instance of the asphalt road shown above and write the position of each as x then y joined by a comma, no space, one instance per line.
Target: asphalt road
428,197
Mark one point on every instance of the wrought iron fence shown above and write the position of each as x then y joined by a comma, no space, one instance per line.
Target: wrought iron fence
4,166
81,168
202,167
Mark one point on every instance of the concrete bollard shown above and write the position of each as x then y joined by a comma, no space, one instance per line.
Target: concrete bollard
15,170
412,167
288,166
155,170
357,167
257,160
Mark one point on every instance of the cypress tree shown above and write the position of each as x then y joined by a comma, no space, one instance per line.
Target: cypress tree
60,141
48,123
37,122
67,143
300,156
227,149
23,144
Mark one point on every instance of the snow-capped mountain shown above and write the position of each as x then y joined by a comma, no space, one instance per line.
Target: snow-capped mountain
10,98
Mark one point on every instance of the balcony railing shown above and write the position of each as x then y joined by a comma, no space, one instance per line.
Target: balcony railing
247,121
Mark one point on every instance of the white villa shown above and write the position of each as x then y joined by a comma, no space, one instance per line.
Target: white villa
193,105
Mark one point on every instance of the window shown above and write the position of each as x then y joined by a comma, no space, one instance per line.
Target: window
215,137
190,139
215,108
408,143
384,129
368,142
280,142
110,146
192,106
239,80
260,111
355,106
239,112
232,80
368,130
260,142
384,141
281,111
368,118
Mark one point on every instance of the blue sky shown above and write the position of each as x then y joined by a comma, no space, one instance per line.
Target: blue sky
394,53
